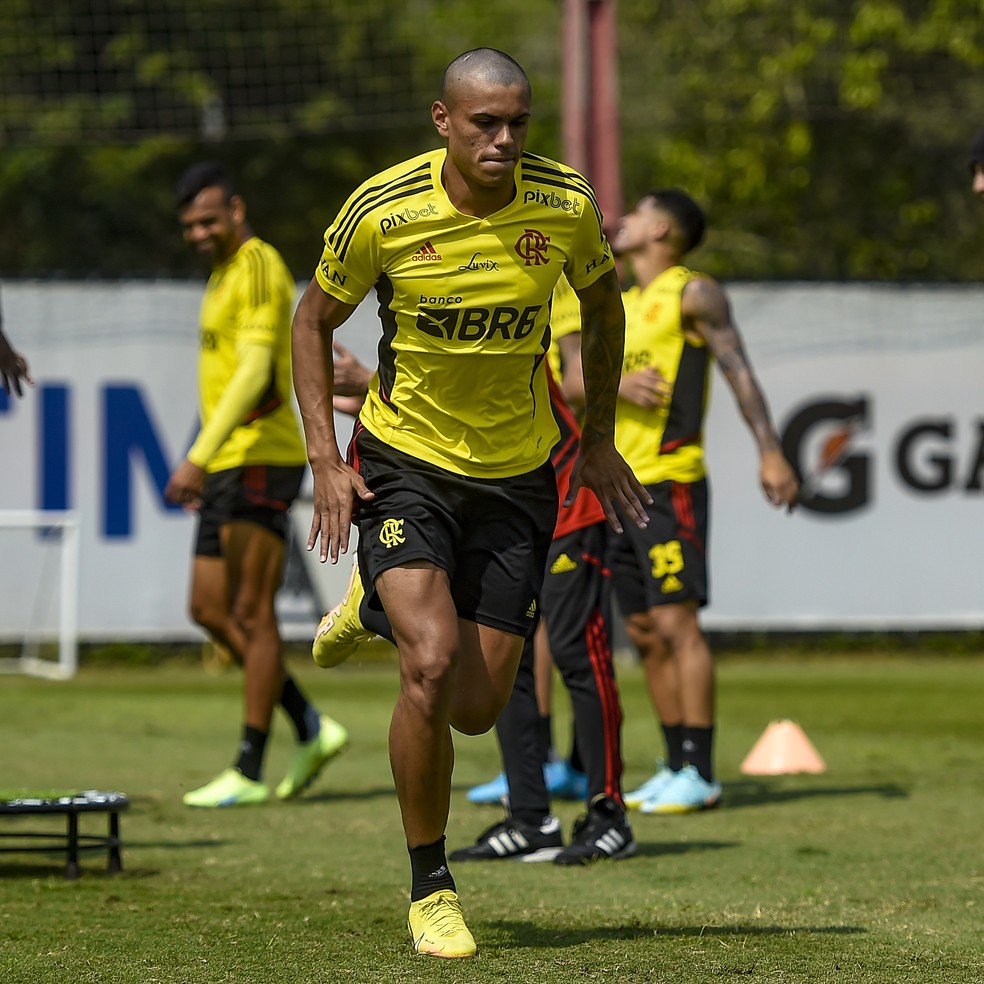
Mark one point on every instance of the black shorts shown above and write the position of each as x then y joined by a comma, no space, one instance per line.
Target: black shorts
491,536
259,494
666,563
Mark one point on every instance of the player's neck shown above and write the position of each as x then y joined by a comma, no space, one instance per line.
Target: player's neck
648,264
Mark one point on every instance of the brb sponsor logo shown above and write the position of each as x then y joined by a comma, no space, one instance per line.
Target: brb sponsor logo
396,219
929,456
552,200
473,324
532,247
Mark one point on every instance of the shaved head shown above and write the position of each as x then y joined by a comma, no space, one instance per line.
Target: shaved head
483,65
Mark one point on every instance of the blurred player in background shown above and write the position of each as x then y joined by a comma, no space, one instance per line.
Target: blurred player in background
449,465
977,163
677,323
242,473
13,366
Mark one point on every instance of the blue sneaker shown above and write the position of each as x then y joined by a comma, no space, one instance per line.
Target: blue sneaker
564,782
651,788
687,792
494,791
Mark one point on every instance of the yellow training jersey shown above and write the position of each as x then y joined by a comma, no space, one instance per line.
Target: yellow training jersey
663,443
465,307
565,319
249,298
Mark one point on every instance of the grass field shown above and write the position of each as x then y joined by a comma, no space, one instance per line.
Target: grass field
873,871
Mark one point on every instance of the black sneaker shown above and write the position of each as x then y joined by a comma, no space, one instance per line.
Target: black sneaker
602,833
512,839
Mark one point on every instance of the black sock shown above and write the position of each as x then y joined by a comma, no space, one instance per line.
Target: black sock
429,870
697,750
544,736
301,712
251,749
673,736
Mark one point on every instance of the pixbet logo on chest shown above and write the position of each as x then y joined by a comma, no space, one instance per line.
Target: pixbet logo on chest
395,219
552,200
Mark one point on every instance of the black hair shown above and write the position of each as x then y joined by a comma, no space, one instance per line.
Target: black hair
977,150
687,214
488,64
198,177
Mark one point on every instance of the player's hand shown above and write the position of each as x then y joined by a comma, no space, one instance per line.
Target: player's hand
184,487
779,482
350,405
335,487
13,369
351,376
645,387
602,469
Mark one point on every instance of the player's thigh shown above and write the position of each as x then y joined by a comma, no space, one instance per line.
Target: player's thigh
209,593
255,560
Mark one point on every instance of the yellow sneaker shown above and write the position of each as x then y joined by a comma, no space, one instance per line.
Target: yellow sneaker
438,928
229,788
341,632
309,758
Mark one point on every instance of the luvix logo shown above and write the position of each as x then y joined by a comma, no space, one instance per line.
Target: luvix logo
532,247
426,254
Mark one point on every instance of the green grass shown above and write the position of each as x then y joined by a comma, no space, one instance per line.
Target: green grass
873,871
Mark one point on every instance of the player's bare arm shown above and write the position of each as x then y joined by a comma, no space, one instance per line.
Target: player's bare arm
335,484
705,311
599,466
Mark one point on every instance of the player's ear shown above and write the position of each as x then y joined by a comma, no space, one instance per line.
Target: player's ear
237,206
439,114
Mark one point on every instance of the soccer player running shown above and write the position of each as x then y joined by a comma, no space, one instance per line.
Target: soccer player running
241,474
449,463
677,323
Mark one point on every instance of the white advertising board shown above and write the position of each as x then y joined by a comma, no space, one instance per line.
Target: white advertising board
875,389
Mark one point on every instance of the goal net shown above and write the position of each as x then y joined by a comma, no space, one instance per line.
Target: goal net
40,580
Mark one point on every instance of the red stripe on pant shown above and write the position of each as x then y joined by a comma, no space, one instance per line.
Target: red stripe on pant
600,654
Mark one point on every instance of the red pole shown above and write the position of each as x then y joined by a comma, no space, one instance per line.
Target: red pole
591,133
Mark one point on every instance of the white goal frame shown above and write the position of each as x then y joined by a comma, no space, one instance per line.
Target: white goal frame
68,602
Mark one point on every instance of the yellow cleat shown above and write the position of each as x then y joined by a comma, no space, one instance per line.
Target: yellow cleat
341,631
229,788
438,928
309,758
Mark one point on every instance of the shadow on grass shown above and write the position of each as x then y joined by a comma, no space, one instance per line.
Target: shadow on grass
649,849
756,793
526,935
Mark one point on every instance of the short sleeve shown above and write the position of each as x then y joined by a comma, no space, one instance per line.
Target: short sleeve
258,311
350,263
590,255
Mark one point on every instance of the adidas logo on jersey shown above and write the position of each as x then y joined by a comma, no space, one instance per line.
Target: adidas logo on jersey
562,565
426,254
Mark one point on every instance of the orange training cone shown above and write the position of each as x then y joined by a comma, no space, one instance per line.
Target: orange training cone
782,749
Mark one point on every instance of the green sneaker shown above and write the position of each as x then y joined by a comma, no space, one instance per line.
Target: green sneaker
229,788
311,757
438,928
341,631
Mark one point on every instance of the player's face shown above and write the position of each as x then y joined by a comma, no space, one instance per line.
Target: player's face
977,182
212,224
637,228
486,127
